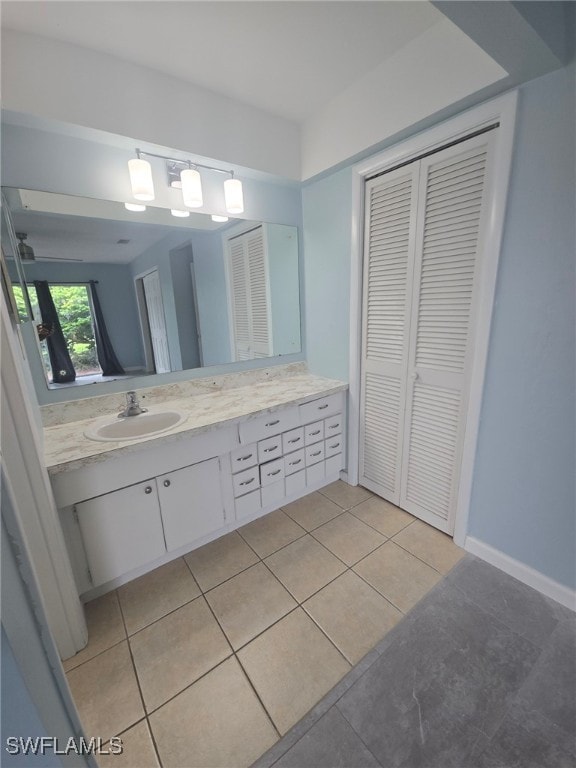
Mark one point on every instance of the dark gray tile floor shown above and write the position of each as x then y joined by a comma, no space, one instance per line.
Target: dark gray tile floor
480,674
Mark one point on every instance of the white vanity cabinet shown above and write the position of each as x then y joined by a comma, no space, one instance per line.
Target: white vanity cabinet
128,528
121,531
191,503
133,511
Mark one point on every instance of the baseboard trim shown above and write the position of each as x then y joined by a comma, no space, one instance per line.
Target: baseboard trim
524,573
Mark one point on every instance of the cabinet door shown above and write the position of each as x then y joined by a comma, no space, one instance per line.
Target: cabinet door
191,503
121,531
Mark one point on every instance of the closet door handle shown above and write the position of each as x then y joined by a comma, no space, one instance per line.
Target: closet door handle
148,489
415,376
166,483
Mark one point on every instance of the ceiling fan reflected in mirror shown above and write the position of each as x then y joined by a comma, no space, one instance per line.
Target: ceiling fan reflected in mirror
27,252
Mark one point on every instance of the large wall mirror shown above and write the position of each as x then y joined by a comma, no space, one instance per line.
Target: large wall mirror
170,294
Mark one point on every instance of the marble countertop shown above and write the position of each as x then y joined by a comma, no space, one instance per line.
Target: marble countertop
66,448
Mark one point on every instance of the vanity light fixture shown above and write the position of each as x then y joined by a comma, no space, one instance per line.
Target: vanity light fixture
191,188
134,207
219,219
233,195
141,178
180,214
184,174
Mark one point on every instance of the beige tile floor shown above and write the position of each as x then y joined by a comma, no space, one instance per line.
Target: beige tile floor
209,659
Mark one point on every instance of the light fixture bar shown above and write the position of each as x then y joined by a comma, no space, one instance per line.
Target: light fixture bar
190,163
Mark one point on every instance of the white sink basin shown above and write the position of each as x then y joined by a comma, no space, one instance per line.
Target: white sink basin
133,427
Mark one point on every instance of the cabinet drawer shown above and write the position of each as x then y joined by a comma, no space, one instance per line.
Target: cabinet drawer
273,494
314,453
243,458
246,481
295,482
333,425
333,464
293,440
248,504
314,433
294,462
266,426
272,472
269,449
325,406
332,446
315,473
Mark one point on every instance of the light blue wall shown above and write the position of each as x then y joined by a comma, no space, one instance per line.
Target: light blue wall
19,714
180,260
327,228
523,495
284,288
158,257
211,295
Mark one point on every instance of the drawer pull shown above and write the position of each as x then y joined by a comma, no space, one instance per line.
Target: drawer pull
333,426
166,483
247,482
269,450
148,489
245,458
293,463
336,445
321,407
316,453
317,432
276,471
273,423
295,440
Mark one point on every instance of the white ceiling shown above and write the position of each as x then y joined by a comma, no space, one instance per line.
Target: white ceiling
287,58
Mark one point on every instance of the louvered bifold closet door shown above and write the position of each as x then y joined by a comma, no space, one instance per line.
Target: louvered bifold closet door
389,240
259,294
240,298
451,210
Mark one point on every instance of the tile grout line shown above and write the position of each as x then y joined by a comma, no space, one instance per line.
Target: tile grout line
235,656
146,713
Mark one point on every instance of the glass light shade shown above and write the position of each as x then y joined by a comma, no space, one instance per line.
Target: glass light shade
219,219
181,214
141,179
191,188
134,207
233,196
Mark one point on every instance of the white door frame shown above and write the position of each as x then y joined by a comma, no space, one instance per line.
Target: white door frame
35,523
142,301
501,110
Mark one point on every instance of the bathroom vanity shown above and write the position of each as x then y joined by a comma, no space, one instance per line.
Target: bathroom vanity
128,507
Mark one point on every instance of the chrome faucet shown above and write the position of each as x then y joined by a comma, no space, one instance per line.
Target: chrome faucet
132,406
